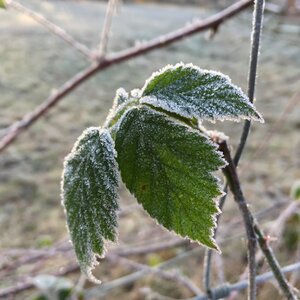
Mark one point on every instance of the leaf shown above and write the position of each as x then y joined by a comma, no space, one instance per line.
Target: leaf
89,190
194,93
2,3
168,166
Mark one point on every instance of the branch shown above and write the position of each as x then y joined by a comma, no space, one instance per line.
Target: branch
255,43
225,290
159,42
253,229
256,33
235,187
110,10
61,33
183,280
273,263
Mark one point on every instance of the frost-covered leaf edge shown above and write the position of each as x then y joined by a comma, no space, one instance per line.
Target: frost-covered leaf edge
87,269
218,180
153,100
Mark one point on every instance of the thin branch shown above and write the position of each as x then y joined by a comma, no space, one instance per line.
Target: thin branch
252,229
168,275
273,263
256,33
28,284
159,42
110,10
56,30
235,187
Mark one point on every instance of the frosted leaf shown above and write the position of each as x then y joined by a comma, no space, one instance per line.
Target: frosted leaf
121,97
89,192
192,92
168,166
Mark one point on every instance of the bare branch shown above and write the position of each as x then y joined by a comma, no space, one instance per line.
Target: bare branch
58,31
156,271
110,11
159,42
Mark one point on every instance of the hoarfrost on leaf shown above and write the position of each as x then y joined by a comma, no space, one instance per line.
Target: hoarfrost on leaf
190,92
168,167
89,191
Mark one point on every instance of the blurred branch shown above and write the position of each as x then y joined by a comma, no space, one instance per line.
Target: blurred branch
110,10
226,290
162,41
168,275
28,284
58,31
274,265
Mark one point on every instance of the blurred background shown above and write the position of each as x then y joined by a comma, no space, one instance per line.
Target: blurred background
33,63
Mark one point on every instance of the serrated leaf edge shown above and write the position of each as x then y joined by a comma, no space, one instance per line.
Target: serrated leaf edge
153,99
222,193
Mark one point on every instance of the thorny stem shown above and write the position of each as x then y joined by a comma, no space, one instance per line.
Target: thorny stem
273,263
252,230
234,185
255,43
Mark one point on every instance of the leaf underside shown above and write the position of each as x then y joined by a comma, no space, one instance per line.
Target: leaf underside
194,93
168,166
89,190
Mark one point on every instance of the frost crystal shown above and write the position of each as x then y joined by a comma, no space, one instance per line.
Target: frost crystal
168,166
89,192
190,92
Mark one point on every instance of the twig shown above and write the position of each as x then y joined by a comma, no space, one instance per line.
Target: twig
225,290
274,265
160,246
110,10
252,229
28,284
159,42
256,32
255,43
160,273
56,30
235,187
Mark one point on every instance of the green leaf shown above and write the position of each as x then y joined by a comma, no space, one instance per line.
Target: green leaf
168,166
89,190
2,4
191,92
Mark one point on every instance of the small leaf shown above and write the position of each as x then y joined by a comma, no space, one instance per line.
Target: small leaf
191,92
121,97
89,190
168,166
